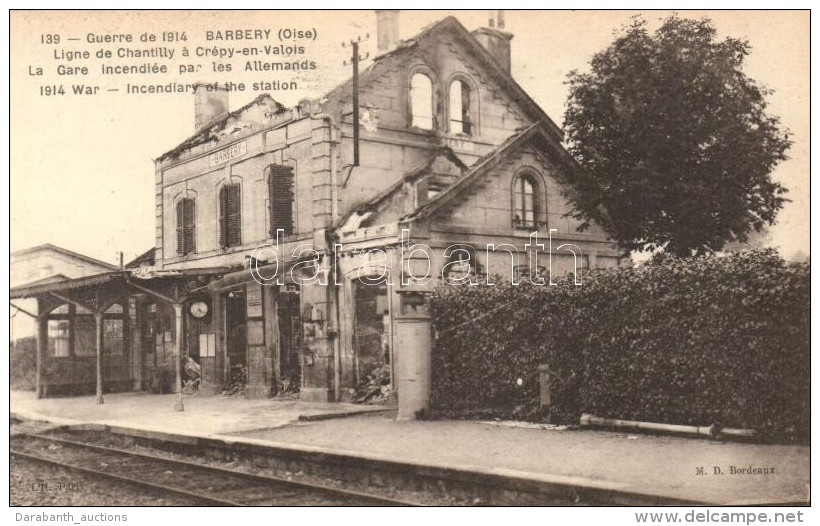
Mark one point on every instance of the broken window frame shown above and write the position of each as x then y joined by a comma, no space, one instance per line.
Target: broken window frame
422,102
460,107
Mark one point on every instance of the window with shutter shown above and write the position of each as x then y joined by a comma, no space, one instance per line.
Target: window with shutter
230,216
189,226
280,199
180,228
186,227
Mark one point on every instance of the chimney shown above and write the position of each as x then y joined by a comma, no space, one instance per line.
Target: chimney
496,41
210,102
387,29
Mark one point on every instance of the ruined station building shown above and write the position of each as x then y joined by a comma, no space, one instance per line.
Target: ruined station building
295,249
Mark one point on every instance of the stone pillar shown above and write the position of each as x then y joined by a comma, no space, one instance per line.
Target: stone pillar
42,343
98,318
413,341
317,372
321,174
179,405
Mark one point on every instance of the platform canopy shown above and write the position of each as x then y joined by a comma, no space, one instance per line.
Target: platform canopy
170,285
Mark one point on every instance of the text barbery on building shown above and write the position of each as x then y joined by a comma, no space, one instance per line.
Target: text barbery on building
460,263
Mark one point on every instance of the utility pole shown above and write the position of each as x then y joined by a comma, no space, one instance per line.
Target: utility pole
354,61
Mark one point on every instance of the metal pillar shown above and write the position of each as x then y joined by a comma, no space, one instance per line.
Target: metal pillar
98,317
179,405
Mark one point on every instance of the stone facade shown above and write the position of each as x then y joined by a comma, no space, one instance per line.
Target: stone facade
459,158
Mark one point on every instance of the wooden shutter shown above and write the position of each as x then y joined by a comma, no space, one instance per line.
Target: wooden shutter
230,216
189,226
186,229
280,199
180,228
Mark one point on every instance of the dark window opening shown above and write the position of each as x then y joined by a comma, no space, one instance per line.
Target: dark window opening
230,216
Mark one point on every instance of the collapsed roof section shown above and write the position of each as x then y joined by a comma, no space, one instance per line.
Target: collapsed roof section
232,123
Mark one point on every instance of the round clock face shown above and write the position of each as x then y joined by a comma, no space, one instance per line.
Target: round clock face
199,309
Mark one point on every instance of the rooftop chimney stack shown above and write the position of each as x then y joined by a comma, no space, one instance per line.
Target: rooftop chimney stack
496,41
210,102
387,29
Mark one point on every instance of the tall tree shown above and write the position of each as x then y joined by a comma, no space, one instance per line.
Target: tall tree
675,147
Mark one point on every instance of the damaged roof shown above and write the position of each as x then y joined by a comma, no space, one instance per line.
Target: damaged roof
451,24
207,133
410,176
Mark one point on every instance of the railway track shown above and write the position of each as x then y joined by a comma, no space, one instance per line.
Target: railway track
209,485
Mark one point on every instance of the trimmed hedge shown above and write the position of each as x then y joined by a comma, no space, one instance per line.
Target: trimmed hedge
695,341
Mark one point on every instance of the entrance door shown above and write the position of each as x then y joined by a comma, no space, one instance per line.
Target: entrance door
290,339
371,339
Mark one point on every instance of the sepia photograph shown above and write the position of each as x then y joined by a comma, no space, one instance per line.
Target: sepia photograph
377,258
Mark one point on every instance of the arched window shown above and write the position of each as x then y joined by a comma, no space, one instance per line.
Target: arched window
230,216
186,227
460,108
421,102
526,200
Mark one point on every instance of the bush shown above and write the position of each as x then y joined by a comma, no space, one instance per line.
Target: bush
23,364
687,341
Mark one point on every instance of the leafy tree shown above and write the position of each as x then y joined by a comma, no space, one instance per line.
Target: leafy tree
675,147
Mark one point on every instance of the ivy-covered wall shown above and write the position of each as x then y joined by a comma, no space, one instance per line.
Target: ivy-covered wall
711,339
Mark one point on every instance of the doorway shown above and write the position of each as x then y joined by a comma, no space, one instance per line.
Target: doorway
372,333
236,338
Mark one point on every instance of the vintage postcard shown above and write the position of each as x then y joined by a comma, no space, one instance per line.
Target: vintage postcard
397,257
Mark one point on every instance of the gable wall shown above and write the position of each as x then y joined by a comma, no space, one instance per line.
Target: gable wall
395,148
483,213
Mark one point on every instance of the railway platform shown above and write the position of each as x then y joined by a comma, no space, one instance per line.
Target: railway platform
587,466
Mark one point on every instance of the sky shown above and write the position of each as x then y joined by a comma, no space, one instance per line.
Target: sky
82,173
